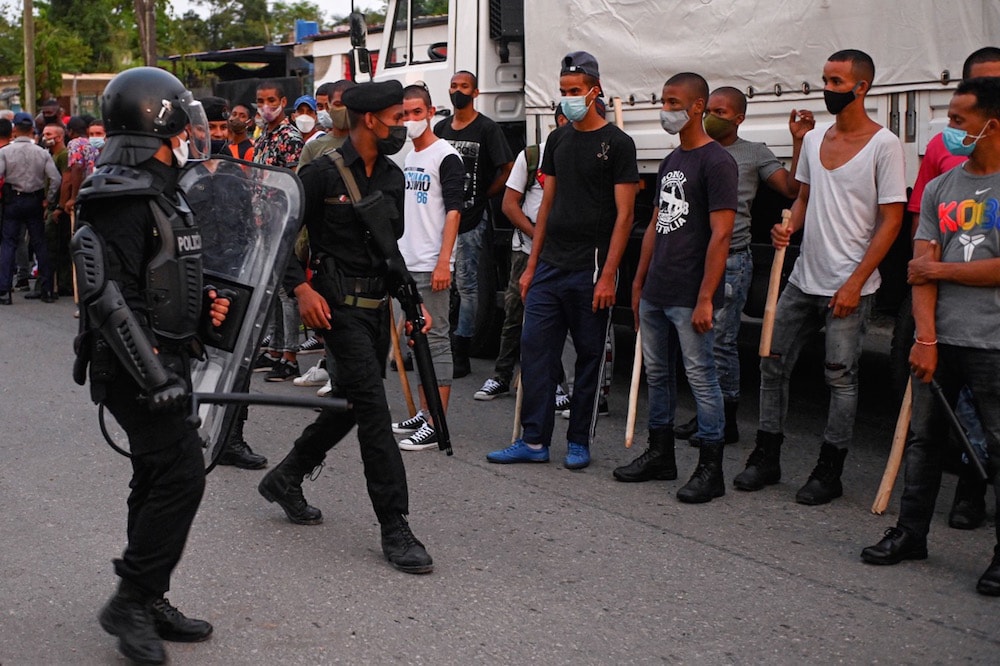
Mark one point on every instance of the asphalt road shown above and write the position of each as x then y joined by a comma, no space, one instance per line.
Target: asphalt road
534,564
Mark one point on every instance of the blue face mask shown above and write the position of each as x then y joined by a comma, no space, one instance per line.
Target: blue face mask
954,140
575,108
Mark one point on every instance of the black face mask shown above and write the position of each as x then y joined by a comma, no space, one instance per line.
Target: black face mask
393,143
838,101
460,100
218,146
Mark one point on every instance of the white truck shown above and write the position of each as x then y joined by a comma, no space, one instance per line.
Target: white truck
773,50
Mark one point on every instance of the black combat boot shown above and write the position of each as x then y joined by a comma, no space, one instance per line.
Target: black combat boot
126,616
173,625
403,550
764,464
824,484
239,454
687,429
656,463
969,508
460,356
732,432
283,485
706,483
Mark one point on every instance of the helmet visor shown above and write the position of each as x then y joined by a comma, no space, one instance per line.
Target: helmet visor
199,140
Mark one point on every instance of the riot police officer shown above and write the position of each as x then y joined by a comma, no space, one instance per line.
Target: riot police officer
137,257
348,304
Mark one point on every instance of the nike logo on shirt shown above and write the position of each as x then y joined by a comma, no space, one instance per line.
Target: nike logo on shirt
978,192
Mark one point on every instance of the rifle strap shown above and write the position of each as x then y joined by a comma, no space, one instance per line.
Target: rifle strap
347,177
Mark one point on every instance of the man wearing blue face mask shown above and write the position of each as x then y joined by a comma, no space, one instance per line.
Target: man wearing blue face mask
955,275
569,281
850,208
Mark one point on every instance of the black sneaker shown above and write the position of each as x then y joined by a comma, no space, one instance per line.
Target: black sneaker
264,363
410,425
266,342
492,388
425,438
311,346
602,408
173,625
283,370
5,298
22,285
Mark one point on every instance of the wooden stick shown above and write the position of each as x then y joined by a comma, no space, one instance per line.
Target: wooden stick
633,391
518,402
773,287
397,353
896,453
616,104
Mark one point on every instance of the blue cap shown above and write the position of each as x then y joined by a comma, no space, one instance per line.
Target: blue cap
22,118
305,99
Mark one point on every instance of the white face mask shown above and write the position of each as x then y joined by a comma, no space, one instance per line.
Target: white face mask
416,128
180,152
305,123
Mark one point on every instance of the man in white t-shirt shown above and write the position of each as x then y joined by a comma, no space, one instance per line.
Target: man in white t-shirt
850,209
435,188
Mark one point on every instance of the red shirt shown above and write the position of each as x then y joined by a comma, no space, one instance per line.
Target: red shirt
936,161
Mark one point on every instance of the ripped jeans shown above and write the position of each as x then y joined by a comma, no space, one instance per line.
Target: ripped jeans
800,315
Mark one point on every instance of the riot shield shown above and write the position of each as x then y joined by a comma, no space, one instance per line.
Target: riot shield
249,215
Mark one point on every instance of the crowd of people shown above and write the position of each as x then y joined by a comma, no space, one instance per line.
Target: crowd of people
571,202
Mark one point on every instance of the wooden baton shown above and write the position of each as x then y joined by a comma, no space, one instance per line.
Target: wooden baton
773,287
397,353
518,402
633,391
896,453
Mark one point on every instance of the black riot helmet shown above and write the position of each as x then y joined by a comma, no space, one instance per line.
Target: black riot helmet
146,106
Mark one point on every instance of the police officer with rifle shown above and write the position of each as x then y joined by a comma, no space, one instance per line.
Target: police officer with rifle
137,254
347,300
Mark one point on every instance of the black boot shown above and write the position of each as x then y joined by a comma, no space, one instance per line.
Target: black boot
706,483
732,432
989,582
764,464
239,454
656,463
173,625
403,550
127,617
460,356
687,430
283,485
824,484
969,508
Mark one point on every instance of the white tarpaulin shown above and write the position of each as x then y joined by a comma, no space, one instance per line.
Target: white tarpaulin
743,43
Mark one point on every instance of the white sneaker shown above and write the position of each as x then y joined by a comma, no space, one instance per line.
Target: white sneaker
326,389
425,438
314,376
410,425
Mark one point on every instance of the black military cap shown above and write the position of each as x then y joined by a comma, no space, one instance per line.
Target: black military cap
366,97
216,108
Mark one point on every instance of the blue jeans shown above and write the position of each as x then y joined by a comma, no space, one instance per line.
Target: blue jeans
665,333
558,301
800,315
513,315
979,370
739,270
467,251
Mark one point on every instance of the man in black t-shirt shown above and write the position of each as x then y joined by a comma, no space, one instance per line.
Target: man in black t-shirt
569,283
678,285
488,160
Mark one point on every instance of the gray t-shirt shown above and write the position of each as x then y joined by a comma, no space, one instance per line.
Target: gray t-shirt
756,163
962,213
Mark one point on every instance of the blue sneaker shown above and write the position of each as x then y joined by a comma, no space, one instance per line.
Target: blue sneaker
518,452
577,456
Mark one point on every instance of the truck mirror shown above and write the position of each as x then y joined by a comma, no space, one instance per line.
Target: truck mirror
359,30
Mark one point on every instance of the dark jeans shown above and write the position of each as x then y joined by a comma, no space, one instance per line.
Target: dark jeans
559,301
20,212
513,317
57,236
168,481
358,341
979,369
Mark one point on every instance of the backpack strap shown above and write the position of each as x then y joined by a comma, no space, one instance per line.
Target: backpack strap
531,156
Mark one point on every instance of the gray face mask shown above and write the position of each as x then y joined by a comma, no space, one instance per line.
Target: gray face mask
674,121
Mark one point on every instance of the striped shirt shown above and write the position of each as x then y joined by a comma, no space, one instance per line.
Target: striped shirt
25,166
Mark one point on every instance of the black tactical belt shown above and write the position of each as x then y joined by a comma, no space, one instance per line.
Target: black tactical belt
363,302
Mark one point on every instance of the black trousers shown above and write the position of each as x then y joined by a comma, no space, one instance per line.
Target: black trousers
359,342
168,481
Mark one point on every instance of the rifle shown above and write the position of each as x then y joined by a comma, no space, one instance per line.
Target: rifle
374,211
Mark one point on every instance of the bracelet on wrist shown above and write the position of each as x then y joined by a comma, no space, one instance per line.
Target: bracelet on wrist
925,343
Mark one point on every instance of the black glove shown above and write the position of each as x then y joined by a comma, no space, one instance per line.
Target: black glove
170,395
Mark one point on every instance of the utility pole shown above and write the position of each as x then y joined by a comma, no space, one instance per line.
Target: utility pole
145,18
28,103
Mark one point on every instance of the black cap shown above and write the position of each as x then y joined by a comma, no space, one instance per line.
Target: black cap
580,62
51,103
216,108
369,97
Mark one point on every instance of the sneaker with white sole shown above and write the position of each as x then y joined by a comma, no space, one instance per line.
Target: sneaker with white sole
326,389
311,346
282,371
410,425
492,388
314,376
265,363
602,408
562,399
425,438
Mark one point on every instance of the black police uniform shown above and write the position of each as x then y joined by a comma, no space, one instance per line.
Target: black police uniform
358,336
168,468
